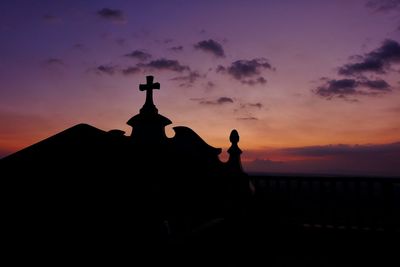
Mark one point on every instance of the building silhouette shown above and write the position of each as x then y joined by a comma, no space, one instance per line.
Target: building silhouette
85,193
112,181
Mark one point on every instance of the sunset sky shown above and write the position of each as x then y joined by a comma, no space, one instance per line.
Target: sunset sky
310,85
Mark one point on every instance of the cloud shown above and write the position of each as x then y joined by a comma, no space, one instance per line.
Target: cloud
130,70
343,88
247,71
106,69
383,5
188,80
165,64
252,105
210,85
219,101
223,100
249,118
140,55
378,61
113,15
211,46
176,48
252,82
376,85
337,87
159,64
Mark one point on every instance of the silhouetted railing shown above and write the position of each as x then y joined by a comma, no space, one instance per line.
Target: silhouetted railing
366,204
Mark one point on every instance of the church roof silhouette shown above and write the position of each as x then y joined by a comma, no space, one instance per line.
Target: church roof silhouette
109,179
83,144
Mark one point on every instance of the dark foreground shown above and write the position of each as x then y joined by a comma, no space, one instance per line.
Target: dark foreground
288,222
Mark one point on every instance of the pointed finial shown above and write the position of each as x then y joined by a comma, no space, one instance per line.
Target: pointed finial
234,152
234,137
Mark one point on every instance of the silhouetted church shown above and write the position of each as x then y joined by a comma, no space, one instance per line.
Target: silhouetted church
86,195
99,184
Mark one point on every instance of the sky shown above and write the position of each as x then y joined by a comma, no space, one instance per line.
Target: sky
312,86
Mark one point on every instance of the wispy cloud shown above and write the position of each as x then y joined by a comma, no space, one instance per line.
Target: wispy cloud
248,118
165,64
176,48
257,105
113,15
139,54
189,79
106,69
130,71
383,5
219,101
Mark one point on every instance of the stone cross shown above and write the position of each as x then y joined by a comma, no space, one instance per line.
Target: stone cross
148,87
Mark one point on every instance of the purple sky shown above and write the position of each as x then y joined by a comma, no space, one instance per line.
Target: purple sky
288,75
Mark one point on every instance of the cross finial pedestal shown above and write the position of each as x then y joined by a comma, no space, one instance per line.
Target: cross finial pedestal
149,106
148,126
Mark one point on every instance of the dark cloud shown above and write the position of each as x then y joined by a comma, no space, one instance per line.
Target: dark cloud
188,80
337,87
241,69
165,64
344,88
367,65
252,105
54,62
176,48
140,55
249,118
219,101
114,15
223,100
220,69
247,71
378,61
159,64
211,46
376,85
130,70
252,82
106,69
383,5
210,85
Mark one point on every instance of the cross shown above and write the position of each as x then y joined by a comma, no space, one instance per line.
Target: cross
148,87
